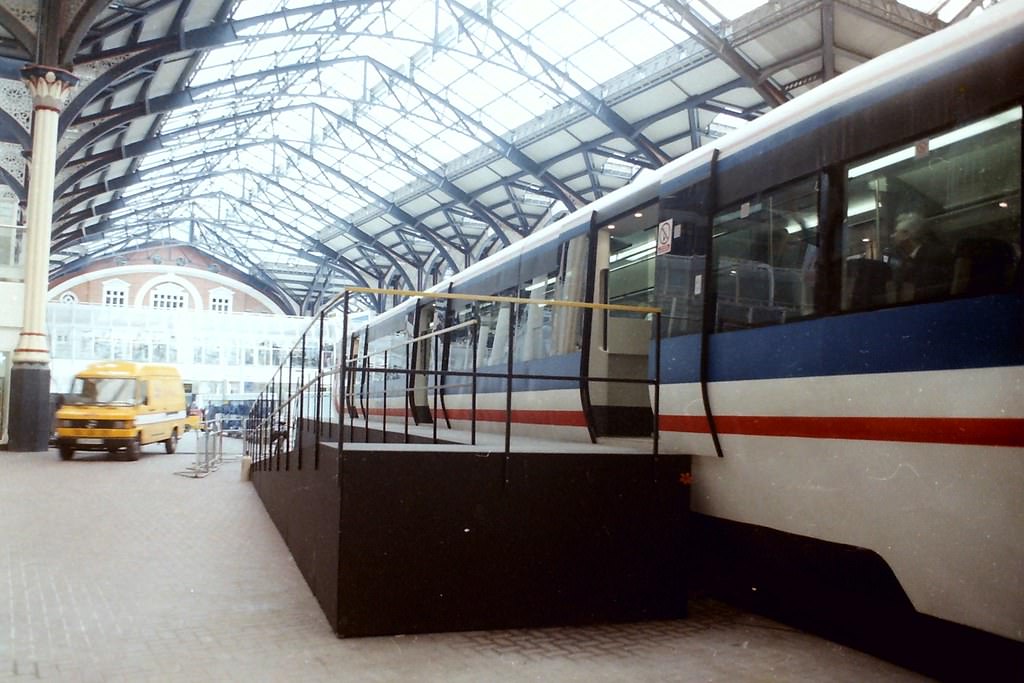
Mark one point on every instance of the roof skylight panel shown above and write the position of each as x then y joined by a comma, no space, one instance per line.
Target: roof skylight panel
527,14
637,41
603,63
444,149
611,15
476,91
560,36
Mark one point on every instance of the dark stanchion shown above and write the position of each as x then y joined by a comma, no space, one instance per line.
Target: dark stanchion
319,392
508,378
384,413
475,336
302,404
657,383
437,383
342,377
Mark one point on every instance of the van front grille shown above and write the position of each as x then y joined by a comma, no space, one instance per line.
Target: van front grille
94,424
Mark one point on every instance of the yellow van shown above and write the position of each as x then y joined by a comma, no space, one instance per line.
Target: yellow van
120,405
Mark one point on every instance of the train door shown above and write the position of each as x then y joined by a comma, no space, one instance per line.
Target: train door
620,340
421,359
683,290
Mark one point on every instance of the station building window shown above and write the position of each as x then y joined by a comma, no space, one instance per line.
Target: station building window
115,293
221,300
167,295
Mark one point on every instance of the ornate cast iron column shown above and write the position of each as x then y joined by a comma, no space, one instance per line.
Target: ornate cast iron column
30,417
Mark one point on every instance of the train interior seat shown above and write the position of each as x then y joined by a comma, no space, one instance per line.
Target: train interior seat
983,265
866,283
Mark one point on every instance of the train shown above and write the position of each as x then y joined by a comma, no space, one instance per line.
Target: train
840,337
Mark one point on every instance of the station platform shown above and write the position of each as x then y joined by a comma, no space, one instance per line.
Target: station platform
124,571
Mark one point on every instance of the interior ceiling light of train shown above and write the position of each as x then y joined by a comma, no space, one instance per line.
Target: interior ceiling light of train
386,143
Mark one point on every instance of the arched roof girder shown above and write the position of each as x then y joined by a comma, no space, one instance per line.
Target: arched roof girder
356,234
341,263
561,191
368,242
363,239
125,115
63,241
101,187
11,130
138,55
491,139
478,210
241,256
720,47
583,97
93,33
79,25
390,207
25,39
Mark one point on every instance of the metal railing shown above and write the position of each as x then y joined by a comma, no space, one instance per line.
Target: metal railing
210,447
303,397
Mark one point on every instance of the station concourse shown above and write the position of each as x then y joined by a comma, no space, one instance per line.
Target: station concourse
125,571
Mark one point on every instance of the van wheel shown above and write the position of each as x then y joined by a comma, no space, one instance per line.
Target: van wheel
66,452
131,451
171,443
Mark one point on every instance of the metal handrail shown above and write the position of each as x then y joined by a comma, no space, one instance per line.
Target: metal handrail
270,430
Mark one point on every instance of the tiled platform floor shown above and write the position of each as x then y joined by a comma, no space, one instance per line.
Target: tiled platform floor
123,571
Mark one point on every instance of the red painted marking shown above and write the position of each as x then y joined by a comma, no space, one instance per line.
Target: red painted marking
560,418
974,431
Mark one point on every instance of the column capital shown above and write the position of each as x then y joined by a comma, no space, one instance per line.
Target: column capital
48,85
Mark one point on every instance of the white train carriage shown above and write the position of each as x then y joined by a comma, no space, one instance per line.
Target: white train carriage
831,384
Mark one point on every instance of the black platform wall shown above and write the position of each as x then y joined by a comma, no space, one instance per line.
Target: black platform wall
434,538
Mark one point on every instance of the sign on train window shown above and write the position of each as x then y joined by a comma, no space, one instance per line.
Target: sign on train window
765,253
936,218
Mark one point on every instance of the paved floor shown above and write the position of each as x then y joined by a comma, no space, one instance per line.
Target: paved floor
123,571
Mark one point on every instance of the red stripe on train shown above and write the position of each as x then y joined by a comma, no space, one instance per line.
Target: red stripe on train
558,418
975,431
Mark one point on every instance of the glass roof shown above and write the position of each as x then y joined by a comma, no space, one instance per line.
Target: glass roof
309,117
318,112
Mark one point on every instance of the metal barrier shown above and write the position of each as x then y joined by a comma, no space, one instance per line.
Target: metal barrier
311,383
210,451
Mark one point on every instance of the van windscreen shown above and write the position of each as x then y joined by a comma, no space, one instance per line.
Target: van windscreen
102,391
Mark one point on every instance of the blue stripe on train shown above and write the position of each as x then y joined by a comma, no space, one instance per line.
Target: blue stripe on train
961,333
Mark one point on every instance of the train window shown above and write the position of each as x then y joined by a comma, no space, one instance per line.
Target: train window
765,254
533,322
543,331
570,285
631,260
936,218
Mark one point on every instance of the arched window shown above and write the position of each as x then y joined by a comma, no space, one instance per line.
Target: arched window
168,295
